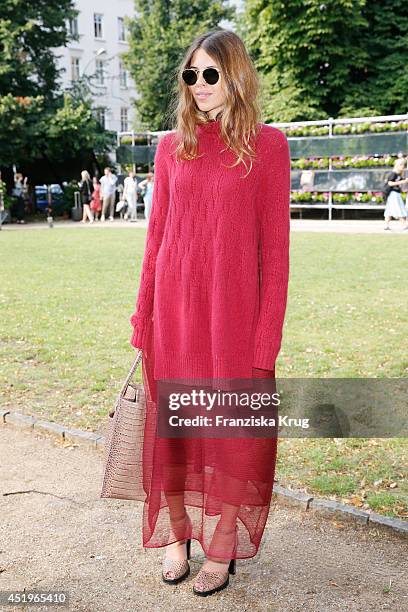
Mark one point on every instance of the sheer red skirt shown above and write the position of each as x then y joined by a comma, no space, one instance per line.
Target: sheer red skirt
224,482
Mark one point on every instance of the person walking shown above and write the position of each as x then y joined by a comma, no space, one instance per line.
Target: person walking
147,184
3,194
211,305
3,191
130,196
108,193
395,206
19,192
96,205
86,189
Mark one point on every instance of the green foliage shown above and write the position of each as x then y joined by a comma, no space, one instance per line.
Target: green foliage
73,128
28,33
382,84
69,197
35,119
305,51
21,126
159,34
30,130
333,58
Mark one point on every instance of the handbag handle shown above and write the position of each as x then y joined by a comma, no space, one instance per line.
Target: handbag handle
131,371
122,392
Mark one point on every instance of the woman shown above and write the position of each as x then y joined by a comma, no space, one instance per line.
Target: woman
395,204
211,306
86,189
96,204
20,192
129,195
3,192
147,185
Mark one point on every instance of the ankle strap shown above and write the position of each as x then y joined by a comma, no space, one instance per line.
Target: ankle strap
179,518
220,530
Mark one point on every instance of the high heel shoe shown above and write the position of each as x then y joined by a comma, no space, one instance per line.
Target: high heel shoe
175,570
208,582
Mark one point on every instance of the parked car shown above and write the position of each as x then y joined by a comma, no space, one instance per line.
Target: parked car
42,194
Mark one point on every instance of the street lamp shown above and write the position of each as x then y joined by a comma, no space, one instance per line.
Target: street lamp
82,86
99,52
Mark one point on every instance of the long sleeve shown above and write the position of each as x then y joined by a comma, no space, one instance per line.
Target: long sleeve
143,313
274,217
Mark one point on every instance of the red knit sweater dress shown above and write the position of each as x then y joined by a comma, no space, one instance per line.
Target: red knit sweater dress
211,304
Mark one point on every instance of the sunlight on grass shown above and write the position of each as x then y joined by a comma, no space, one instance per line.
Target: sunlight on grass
67,296
340,485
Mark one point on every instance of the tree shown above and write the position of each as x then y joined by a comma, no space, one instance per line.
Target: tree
38,121
158,37
28,33
73,128
306,53
382,83
21,127
330,58
31,133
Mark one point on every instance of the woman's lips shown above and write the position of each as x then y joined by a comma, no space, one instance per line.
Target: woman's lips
203,96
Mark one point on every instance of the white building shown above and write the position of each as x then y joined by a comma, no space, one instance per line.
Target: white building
96,55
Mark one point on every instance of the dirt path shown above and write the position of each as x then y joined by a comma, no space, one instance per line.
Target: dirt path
62,536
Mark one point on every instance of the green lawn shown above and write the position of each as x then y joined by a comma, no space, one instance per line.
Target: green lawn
67,296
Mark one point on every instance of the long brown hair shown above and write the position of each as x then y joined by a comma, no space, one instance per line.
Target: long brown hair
241,113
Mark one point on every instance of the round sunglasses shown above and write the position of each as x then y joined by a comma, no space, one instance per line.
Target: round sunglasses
210,76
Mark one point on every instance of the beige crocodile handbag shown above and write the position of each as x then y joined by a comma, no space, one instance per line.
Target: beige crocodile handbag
123,467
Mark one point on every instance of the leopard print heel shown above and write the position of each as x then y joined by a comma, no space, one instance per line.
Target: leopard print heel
176,570
207,582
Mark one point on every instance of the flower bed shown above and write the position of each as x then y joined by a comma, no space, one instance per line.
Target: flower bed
346,128
343,161
356,197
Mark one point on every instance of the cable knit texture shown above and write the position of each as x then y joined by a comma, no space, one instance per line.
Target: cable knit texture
215,269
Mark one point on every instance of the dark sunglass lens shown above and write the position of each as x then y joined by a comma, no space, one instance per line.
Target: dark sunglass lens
211,76
189,76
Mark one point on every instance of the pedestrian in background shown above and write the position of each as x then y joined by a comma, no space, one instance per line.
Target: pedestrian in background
147,185
2,193
108,193
86,189
130,196
395,206
19,191
96,204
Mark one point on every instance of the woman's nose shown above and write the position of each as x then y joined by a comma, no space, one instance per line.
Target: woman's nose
200,79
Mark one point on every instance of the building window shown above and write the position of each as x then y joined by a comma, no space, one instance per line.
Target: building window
121,30
100,116
124,119
73,27
74,68
99,72
123,79
98,31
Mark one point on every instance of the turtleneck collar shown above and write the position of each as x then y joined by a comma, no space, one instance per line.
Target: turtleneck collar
212,126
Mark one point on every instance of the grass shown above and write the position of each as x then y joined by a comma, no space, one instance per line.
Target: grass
67,295
370,474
